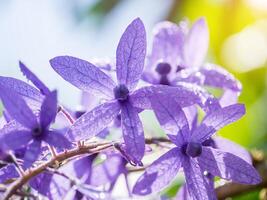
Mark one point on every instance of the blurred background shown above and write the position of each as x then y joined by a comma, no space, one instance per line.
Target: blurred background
36,31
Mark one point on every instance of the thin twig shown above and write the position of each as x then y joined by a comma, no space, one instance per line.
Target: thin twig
66,114
91,149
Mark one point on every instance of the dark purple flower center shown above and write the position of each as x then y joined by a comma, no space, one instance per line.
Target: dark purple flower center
163,68
121,92
193,149
37,132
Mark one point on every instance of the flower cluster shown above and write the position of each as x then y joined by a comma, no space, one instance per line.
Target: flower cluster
83,159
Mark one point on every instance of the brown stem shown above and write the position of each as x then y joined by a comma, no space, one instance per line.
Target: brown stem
91,148
67,114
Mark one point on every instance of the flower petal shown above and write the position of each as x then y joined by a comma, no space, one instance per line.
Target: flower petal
48,109
216,76
171,118
233,148
167,43
31,95
83,75
8,172
228,166
32,153
94,121
57,139
12,126
130,55
191,114
185,94
196,44
15,139
133,133
34,79
41,183
17,107
216,120
195,180
108,171
159,174
229,97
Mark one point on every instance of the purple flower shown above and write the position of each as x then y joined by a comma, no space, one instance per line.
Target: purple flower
30,130
224,145
121,97
178,55
191,155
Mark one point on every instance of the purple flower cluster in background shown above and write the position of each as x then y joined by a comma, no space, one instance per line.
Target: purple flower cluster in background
173,80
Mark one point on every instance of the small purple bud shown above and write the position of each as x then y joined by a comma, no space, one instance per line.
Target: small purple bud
121,92
193,149
163,68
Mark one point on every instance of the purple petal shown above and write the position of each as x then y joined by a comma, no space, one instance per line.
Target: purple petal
83,167
232,147
83,75
108,171
185,94
34,79
48,109
159,174
94,121
32,96
216,76
32,153
59,186
17,107
191,114
11,126
195,180
196,44
41,183
216,120
15,139
133,133
80,168
228,166
167,43
171,118
57,139
130,55
8,172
